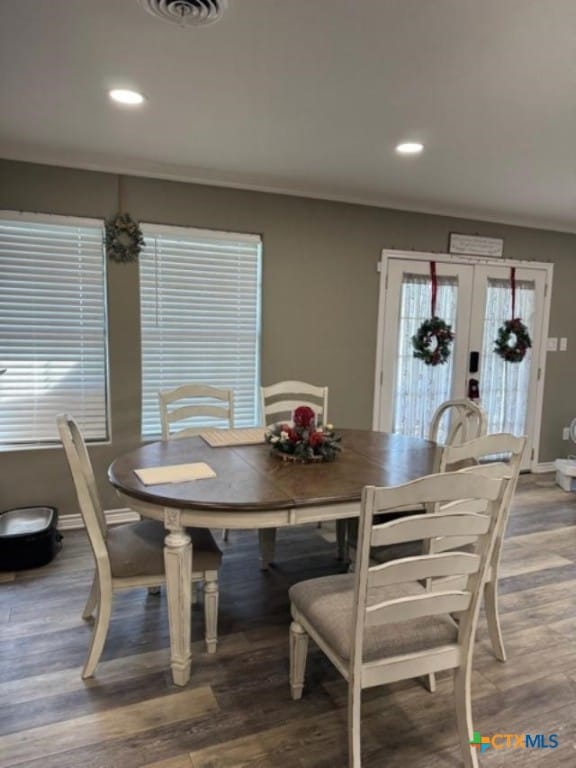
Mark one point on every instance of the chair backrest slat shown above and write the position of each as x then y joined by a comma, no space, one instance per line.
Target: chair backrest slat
450,583
188,411
472,505
420,606
185,409
423,567
421,527
283,398
481,447
289,406
440,488
446,543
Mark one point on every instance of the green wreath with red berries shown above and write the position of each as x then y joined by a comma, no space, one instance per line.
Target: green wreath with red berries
432,342
513,341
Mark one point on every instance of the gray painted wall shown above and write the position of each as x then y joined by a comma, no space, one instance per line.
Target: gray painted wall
320,299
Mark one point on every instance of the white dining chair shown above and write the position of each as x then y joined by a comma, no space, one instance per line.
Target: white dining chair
380,624
466,420
277,403
499,447
461,419
129,555
486,455
190,405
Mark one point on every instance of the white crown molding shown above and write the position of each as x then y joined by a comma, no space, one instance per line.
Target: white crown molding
113,517
192,175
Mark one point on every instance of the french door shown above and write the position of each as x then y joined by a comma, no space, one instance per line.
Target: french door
476,299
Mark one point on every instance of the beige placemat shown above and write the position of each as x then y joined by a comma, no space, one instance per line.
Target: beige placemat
217,438
177,473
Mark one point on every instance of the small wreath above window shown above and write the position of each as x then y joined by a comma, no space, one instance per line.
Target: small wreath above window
433,341
124,239
513,341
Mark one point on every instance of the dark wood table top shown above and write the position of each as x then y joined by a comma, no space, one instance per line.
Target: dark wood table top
251,478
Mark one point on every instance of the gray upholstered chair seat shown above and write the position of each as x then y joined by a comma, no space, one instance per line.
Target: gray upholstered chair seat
137,549
327,603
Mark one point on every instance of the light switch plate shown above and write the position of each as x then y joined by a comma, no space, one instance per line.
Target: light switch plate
552,344
563,344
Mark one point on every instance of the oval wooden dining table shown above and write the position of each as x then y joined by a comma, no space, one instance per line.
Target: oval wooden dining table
254,489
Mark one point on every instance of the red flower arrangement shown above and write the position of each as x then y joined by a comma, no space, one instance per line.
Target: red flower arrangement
302,440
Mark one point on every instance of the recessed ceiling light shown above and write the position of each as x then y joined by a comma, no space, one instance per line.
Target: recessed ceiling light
409,148
124,96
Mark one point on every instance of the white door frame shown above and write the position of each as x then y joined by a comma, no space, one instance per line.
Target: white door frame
539,355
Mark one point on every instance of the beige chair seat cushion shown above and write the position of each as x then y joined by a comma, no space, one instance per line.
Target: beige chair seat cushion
137,549
327,604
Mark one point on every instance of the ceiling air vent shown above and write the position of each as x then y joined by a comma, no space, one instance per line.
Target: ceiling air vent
193,13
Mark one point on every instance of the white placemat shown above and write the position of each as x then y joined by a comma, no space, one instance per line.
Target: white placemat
177,473
217,438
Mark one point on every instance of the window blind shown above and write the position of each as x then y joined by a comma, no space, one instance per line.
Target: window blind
52,327
200,317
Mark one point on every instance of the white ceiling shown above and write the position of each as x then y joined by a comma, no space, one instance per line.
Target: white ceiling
309,97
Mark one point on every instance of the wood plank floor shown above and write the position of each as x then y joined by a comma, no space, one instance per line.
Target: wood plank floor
237,709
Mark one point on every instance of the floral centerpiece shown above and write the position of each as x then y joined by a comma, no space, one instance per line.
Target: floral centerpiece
302,441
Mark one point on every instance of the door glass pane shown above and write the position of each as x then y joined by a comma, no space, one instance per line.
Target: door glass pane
420,388
504,387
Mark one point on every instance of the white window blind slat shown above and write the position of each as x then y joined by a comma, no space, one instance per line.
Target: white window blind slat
52,327
200,317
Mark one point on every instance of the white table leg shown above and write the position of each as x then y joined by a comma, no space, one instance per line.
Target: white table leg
178,564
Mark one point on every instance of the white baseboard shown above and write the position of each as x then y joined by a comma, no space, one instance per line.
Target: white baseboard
545,466
113,517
